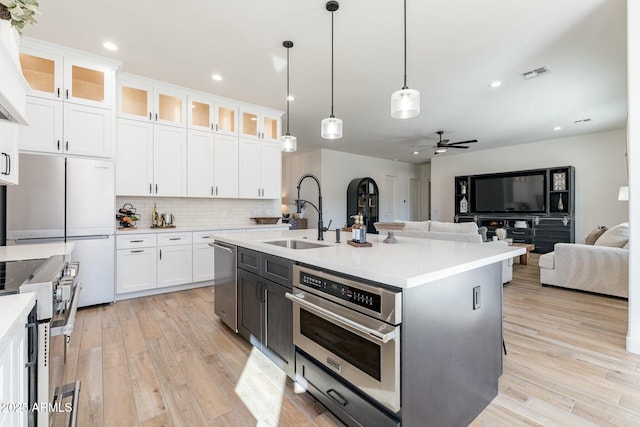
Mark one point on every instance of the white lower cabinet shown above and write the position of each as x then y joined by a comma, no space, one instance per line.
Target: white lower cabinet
203,261
174,259
136,259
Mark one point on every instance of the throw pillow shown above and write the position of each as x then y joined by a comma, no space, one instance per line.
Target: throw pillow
616,237
595,234
626,246
453,227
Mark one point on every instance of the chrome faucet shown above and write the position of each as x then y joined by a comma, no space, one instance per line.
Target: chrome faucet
318,208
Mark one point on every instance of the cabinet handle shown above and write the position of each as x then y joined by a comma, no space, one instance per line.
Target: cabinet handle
156,188
216,127
58,145
150,188
150,116
66,146
6,167
58,92
67,93
137,251
258,192
212,190
175,238
156,117
136,241
9,158
32,358
206,237
160,254
216,190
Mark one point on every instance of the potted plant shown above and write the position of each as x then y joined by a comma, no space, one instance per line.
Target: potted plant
19,12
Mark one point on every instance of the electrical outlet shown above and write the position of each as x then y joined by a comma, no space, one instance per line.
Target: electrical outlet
476,297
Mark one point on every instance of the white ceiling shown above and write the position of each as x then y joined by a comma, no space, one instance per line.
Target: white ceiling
456,48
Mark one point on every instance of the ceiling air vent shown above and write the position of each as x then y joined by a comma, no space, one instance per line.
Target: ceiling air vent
535,73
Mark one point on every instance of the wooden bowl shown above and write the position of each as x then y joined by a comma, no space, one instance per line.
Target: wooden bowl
266,219
388,226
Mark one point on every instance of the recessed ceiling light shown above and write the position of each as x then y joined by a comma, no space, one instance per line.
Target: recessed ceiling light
416,153
216,77
109,46
556,128
496,83
290,98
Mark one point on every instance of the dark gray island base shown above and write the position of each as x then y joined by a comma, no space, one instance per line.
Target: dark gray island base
433,360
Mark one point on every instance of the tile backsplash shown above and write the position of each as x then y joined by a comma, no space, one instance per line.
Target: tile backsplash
190,212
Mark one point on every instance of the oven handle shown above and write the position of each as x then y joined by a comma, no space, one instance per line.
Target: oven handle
62,392
383,338
65,327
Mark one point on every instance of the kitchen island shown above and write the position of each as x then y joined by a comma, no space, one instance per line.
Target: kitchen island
448,340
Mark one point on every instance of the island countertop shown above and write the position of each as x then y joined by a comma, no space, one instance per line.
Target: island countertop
409,262
34,251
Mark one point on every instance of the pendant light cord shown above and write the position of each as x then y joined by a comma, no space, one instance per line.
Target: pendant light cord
332,65
288,117
405,45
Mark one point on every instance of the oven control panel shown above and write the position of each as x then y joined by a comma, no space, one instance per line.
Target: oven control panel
343,291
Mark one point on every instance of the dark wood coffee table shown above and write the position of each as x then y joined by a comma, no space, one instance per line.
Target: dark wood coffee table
524,258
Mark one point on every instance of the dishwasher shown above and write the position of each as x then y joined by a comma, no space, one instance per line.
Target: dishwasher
225,290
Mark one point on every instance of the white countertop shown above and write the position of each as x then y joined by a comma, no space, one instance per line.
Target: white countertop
409,262
182,229
14,308
36,251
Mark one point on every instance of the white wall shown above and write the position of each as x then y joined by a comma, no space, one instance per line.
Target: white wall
599,160
633,147
335,171
425,193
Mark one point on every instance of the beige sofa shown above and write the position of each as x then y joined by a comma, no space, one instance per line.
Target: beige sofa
602,267
457,232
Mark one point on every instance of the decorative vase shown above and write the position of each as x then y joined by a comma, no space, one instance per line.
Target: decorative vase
4,13
464,205
560,205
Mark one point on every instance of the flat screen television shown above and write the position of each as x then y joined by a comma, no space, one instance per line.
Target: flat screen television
514,192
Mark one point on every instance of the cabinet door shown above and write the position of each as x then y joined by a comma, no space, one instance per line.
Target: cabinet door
250,307
200,166
44,133
200,114
87,130
226,119
270,127
203,262
43,72
271,170
174,265
134,165
136,270
249,169
135,101
226,166
169,106
278,337
88,83
169,161
8,153
249,124
13,387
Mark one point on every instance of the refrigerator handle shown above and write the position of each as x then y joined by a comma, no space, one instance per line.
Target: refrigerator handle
89,237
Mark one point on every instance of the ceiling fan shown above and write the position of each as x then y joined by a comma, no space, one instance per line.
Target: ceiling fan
443,145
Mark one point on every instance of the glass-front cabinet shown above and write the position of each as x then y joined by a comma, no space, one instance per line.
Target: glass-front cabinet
226,118
259,124
63,78
147,101
209,114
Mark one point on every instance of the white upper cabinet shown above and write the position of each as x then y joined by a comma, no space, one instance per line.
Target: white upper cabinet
226,166
259,124
134,159
151,101
260,169
60,77
226,118
8,153
210,114
200,164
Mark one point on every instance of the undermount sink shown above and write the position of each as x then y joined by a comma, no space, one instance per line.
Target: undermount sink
296,244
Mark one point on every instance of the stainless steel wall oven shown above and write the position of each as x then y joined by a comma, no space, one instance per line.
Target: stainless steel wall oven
352,329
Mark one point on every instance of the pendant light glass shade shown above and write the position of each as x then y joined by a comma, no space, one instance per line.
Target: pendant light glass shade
289,142
405,103
331,127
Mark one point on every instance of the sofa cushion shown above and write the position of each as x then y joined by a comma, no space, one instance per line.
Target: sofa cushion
595,235
455,227
626,246
616,237
547,260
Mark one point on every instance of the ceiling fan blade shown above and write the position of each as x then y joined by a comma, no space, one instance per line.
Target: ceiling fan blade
457,146
471,141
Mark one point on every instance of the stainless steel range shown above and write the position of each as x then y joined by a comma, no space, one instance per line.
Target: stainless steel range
347,338
57,293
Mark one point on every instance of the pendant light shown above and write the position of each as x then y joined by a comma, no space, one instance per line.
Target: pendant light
331,127
405,103
289,142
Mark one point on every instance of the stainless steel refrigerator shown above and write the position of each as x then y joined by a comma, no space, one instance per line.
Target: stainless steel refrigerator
68,199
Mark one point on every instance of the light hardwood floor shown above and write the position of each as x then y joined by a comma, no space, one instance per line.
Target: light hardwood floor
168,361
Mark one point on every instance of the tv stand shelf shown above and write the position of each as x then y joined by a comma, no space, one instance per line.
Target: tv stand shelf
537,205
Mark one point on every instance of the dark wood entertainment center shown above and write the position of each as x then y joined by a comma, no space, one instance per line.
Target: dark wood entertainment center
551,221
